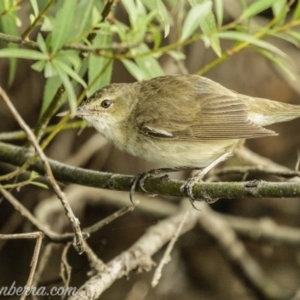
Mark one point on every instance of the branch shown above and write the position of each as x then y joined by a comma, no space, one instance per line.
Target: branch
137,256
78,239
164,186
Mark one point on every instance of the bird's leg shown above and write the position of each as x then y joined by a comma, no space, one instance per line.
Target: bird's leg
140,178
187,187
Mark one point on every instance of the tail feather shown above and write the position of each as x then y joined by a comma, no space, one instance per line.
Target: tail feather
265,112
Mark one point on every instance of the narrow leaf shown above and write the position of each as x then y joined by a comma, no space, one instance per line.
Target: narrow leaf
51,86
244,37
23,53
63,25
279,63
68,87
162,11
296,15
148,64
256,7
69,71
134,70
99,72
83,18
195,15
219,8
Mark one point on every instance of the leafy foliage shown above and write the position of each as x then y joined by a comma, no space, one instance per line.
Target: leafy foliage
78,41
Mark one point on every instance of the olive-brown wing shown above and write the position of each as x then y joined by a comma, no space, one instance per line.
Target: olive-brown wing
209,117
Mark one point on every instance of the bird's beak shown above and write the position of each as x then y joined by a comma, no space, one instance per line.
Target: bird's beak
80,112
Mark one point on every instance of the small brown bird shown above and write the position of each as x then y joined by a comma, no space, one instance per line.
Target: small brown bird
180,121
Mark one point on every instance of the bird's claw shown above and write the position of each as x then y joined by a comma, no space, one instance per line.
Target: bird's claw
187,189
139,179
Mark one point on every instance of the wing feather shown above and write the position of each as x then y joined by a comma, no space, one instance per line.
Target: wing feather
195,116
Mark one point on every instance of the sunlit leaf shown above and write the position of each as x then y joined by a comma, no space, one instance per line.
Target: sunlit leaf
63,25
278,62
296,15
244,37
50,70
39,65
9,26
83,18
164,15
99,67
23,53
50,89
219,8
68,70
148,64
177,55
35,7
134,70
68,87
194,16
42,44
256,7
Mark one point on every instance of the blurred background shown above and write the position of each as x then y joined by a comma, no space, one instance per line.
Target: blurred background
198,268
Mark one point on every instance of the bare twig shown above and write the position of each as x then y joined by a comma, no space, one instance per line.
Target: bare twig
109,219
166,257
31,235
264,230
78,239
53,236
65,268
236,253
137,256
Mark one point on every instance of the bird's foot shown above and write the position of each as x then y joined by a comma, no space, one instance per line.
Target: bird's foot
187,187
140,179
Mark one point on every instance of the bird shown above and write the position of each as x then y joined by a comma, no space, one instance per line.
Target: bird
180,122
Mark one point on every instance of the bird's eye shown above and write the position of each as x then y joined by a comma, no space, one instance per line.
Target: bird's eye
106,103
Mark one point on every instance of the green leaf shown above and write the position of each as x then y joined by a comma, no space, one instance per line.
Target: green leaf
67,70
50,70
51,86
256,7
8,24
278,62
100,67
35,7
219,8
39,65
72,99
135,10
162,11
194,16
134,70
71,56
23,53
42,44
280,9
244,37
148,64
83,18
63,25
296,15
295,34
177,55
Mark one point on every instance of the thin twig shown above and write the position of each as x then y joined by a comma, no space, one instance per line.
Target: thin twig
166,257
238,256
53,236
95,227
30,235
137,256
78,239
